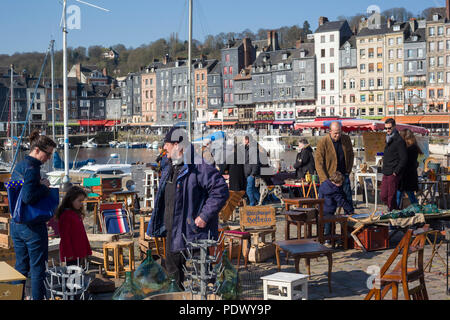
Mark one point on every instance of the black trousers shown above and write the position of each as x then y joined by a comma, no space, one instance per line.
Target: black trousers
173,263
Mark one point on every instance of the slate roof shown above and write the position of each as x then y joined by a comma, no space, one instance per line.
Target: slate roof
330,26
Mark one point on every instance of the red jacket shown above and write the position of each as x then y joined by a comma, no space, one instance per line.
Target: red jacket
74,242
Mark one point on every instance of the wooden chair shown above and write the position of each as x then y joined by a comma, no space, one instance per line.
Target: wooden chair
157,245
401,274
233,201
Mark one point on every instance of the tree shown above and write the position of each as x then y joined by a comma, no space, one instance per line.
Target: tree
306,28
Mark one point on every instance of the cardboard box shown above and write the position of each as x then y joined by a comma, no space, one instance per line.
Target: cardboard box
261,252
11,291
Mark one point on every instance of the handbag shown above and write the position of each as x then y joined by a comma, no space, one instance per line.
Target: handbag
41,211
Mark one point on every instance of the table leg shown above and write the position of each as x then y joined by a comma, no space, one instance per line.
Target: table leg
299,230
376,193
330,269
286,230
277,254
365,192
296,263
239,253
308,265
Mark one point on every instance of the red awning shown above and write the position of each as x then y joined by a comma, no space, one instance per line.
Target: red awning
174,115
111,123
264,121
214,123
229,123
92,122
230,110
215,111
180,115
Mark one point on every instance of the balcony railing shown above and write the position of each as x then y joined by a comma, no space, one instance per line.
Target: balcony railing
417,83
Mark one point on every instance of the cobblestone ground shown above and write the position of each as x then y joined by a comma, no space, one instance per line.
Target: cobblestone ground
349,276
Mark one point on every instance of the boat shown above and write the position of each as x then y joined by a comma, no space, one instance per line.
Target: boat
60,144
89,143
122,144
136,145
113,144
273,143
153,145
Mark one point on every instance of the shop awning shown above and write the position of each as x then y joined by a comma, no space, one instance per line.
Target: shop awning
140,124
181,124
283,122
111,123
229,123
263,121
214,123
436,119
92,122
405,119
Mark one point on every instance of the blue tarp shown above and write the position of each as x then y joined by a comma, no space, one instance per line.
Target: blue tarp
213,136
58,163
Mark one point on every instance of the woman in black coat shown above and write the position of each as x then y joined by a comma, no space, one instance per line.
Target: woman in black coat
237,180
409,182
305,160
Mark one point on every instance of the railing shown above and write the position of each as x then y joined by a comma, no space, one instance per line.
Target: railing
418,83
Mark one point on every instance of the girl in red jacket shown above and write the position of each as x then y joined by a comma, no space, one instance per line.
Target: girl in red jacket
74,242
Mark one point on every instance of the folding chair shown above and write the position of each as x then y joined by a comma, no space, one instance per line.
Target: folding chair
106,206
116,221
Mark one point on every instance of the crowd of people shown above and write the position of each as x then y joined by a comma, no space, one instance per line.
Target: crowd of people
193,190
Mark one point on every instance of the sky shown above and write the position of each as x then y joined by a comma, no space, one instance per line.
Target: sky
29,25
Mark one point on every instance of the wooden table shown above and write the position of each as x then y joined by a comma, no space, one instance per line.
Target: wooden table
125,197
306,249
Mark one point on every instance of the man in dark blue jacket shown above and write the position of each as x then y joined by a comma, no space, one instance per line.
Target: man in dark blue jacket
190,196
331,190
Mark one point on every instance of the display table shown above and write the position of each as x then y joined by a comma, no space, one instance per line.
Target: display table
10,291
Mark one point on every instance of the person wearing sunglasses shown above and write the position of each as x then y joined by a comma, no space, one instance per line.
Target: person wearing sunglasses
394,162
31,240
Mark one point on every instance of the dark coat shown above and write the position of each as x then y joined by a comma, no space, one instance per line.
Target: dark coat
304,162
237,180
409,180
334,197
29,170
252,165
201,192
395,156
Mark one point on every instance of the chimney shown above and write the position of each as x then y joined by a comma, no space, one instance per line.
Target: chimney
298,44
105,72
166,59
447,9
269,40
355,29
322,20
78,71
247,52
272,40
413,24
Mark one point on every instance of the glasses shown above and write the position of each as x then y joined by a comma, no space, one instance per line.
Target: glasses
49,154
388,128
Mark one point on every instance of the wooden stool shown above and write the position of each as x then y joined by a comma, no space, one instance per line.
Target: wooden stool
241,236
119,267
286,283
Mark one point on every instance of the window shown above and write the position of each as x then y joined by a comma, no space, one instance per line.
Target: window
432,46
331,52
225,83
322,39
409,53
371,83
440,76
331,84
379,52
323,85
409,66
391,41
322,68
371,67
419,65
322,100
352,98
363,98
440,45
352,83
262,93
344,84
331,37
371,52
391,96
399,67
391,82
432,61
431,31
322,53
225,69
331,100
441,61
343,98
331,67
440,93
440,31
431,77
399,53
362,83
362,67
362,53
379,97
230,70
391,67
399,40
391,54
431,93
227,58
379,67
399,81
420,52
380,82
231,83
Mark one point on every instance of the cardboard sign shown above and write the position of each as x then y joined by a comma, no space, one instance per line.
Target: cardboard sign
257,216
374,142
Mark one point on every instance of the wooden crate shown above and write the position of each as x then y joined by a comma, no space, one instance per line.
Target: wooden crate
372,238
261,252
5,232
9,256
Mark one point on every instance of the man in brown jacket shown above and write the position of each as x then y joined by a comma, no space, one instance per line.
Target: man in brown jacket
334,152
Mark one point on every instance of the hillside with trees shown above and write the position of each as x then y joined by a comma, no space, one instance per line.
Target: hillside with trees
132,59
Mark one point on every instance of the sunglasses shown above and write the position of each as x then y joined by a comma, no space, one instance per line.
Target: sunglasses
388,128
49,154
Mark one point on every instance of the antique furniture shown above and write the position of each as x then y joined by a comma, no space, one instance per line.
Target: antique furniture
286,284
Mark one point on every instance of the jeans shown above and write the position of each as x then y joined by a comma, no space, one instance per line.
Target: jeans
411,196
327,226
347,189
388,193
31,248
252,192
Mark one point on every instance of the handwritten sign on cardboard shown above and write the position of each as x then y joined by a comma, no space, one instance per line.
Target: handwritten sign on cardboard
373,142
257,217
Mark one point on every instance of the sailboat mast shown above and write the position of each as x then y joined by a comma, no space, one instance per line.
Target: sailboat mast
66,178
189,74
53,91
13,116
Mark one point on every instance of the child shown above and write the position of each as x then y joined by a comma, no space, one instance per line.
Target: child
331,190
74,242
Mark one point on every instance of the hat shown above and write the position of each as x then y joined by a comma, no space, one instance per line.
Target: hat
174,135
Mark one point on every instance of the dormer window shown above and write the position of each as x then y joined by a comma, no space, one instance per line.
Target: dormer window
435,17
396,28
302,54
280,66
414,38
285,56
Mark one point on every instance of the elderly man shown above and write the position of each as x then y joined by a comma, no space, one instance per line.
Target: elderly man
190,196
335,153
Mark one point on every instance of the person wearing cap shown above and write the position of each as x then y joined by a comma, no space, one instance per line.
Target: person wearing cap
190,196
